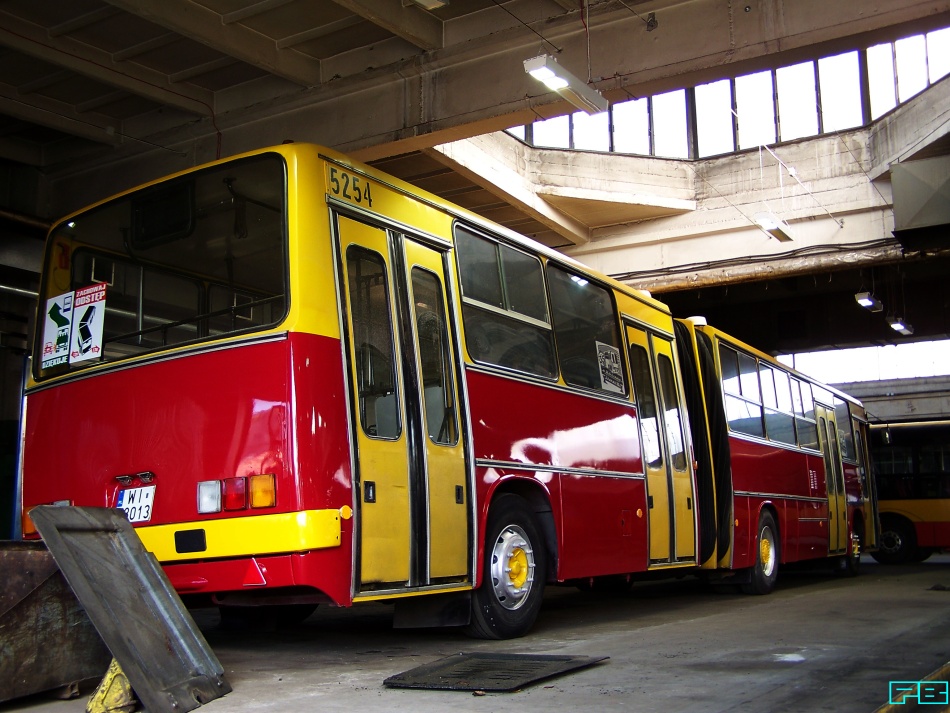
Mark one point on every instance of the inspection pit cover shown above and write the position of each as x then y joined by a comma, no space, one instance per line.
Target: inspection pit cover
489,672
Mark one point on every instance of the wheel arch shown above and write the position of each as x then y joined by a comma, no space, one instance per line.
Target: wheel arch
539,502
767,506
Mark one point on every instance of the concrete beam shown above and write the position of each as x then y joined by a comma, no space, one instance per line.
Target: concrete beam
921,399
837,217
493,162
910,129
203,25
83,59
411,23
55,115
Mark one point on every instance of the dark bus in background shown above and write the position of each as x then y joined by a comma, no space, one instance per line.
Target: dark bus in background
912,467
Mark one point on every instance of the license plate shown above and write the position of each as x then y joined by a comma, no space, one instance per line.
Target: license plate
136,503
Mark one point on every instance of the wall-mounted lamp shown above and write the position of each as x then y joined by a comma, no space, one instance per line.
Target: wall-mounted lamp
869,301
545,69
774,226
899,325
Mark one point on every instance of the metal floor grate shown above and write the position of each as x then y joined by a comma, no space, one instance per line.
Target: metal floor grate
489,672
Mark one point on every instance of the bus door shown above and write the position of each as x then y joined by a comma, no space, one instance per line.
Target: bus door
670,496
412,502
834,478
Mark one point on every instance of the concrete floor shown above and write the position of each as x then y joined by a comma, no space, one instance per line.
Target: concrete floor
817,643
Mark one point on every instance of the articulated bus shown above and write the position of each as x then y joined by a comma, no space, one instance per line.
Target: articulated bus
305,381
912,467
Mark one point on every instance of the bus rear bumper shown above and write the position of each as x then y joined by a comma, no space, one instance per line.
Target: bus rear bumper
243,536
259,579
256,554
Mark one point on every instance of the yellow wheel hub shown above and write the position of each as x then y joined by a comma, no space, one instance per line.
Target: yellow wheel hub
765,550
512,567
518,568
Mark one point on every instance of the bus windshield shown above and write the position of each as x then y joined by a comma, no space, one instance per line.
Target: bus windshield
187,260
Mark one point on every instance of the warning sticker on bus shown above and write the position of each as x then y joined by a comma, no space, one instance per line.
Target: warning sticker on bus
611,370
73,329
59,316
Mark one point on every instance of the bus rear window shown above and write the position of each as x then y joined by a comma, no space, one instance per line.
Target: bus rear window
199,257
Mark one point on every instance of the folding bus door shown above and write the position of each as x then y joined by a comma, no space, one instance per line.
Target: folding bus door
834,478
412,501
664,448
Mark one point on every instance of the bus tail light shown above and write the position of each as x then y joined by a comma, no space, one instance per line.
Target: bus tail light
256,491
209,496
263,490
235,493
28,527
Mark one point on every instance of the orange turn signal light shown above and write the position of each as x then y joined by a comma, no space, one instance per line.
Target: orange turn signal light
262,490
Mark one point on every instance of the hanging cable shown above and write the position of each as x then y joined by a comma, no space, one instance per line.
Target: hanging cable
585,17
543,38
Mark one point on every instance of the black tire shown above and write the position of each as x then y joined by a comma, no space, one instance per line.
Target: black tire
765,572
506,604
898,542
849,565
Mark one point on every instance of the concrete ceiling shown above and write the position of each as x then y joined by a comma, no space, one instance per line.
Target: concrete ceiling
100,95
154,86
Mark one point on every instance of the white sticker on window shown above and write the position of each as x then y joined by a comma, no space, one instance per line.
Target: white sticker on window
59,315
73,329
89,309
611,370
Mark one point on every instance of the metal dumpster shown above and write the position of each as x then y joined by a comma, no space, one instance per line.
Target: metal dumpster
46,639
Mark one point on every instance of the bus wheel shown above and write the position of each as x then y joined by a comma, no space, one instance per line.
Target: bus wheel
765,571
506,604
898,542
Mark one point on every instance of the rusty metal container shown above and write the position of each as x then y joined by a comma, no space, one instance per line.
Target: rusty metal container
46,639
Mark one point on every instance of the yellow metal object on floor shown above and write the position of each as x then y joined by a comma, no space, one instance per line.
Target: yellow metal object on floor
114,693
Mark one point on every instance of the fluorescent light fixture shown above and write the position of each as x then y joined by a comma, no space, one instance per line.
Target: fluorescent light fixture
869,301
428,4
545,69
899,325
774,226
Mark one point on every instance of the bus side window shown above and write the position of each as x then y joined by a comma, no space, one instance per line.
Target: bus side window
585,328
805,415
740,382
373,335
779,422
845,436
504,308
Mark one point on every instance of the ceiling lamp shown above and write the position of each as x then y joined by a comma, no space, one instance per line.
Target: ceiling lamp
899,325
869,301
774,226
545,69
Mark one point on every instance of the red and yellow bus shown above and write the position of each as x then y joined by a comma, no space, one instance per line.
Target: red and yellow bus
307,382
791,474
912,467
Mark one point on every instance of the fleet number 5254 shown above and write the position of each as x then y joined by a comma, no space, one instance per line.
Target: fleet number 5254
352,188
